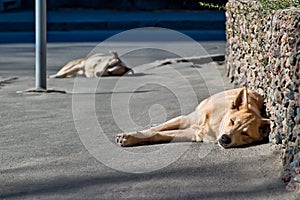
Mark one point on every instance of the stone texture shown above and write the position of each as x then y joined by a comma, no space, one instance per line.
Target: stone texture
263,53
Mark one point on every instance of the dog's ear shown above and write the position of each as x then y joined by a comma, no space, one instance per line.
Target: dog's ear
265,128
241,100
115,54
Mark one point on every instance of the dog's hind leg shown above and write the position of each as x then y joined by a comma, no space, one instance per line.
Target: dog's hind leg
152,137
181,122
70,69
67,73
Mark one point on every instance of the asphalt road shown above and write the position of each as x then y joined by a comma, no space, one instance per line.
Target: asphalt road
69,25
60,146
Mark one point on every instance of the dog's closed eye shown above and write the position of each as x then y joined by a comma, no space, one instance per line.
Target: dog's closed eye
244,133
231,121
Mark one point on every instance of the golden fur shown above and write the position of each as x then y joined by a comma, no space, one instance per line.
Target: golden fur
231,118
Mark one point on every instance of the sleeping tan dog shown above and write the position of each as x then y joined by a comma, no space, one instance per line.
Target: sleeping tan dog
231,118
94,66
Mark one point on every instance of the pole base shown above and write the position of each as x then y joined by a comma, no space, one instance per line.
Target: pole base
41,90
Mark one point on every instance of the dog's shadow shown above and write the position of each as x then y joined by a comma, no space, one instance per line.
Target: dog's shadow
136,74
113,92
264,141
139,74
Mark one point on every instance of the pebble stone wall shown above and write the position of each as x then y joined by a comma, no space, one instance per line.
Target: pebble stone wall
263,53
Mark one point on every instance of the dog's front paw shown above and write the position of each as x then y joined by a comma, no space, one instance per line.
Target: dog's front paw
125,140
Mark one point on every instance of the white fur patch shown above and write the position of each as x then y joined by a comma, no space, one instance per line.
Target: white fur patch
245,129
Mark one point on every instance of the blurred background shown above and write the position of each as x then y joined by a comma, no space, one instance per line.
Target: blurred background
96,20
131,5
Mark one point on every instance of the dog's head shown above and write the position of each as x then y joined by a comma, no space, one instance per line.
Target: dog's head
111,66
242,124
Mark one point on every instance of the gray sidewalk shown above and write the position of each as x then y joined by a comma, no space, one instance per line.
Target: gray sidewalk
44,154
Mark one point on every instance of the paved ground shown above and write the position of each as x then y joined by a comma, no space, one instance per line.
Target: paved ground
51,147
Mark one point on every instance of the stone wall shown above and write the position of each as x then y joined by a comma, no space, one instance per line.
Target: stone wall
263,53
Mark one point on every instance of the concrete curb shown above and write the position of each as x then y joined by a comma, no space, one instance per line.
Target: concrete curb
97,36
102,25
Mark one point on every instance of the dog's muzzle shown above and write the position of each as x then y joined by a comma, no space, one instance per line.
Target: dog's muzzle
224,140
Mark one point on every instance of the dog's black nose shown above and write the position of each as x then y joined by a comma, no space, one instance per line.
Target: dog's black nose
225,139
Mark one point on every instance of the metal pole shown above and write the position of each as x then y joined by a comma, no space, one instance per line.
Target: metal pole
40,43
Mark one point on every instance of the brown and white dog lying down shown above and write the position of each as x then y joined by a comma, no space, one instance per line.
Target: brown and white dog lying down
231,118
94,66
